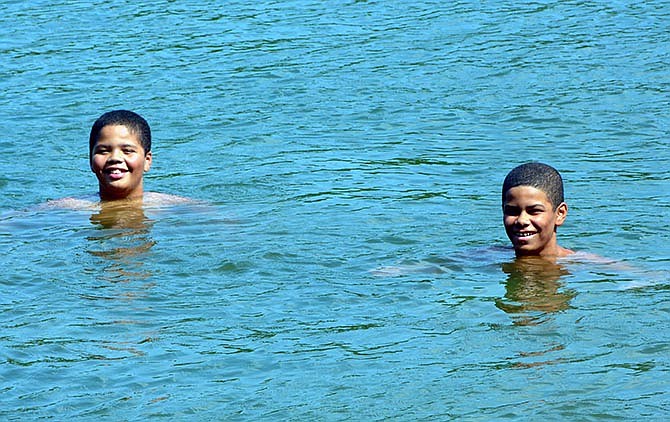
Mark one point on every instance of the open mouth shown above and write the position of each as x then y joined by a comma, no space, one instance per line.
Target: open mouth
524,234
115,173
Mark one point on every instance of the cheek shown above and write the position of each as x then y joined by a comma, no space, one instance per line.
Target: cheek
545,223
509,219
95,164
135,162
508,222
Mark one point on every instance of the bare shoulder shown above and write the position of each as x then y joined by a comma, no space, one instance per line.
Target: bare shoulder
591,258
92,202
72,203
587,258
157,199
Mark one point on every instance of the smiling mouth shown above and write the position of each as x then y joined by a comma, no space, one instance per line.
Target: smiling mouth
114,171
524,234
115,174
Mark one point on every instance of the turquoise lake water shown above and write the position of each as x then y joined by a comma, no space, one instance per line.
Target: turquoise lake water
348,260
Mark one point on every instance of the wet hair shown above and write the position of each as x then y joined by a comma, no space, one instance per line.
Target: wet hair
537,175
133,121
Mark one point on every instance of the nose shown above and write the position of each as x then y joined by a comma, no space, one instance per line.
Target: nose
523,219
114,156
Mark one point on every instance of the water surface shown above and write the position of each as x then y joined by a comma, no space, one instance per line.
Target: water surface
330,140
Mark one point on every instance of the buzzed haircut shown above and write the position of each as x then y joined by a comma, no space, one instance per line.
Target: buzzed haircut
133,121
538,175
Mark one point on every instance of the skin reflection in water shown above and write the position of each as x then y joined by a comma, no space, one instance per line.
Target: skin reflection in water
123,241
534,290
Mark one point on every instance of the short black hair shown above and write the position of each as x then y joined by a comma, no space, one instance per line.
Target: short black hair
538,175
133,121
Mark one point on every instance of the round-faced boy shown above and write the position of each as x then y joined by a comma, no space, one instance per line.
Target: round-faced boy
120,154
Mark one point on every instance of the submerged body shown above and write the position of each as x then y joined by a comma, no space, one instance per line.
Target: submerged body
93,202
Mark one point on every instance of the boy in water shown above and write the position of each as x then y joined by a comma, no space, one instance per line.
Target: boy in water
120,154
533,209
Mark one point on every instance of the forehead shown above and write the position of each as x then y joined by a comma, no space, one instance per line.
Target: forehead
526,195
118,133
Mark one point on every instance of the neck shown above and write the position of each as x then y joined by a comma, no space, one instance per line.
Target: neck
135,195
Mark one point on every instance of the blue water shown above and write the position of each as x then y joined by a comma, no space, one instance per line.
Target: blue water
346,262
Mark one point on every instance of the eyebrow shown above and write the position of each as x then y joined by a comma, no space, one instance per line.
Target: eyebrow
539,204
126,145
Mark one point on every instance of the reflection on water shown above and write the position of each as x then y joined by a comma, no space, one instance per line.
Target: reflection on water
123,241
534,285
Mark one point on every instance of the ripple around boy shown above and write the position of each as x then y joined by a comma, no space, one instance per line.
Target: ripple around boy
533,209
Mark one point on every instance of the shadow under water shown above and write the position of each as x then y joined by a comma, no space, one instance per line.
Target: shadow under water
534,289
123,241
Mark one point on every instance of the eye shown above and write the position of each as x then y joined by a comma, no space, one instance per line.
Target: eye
509,210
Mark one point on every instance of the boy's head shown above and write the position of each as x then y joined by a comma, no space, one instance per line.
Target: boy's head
539,176
533,208
120,154
133,121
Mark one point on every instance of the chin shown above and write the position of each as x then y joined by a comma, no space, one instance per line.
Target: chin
524,251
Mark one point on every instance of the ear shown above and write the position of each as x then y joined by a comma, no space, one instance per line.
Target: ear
147,161
561,213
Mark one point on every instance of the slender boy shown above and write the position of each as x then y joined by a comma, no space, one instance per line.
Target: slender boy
533,209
